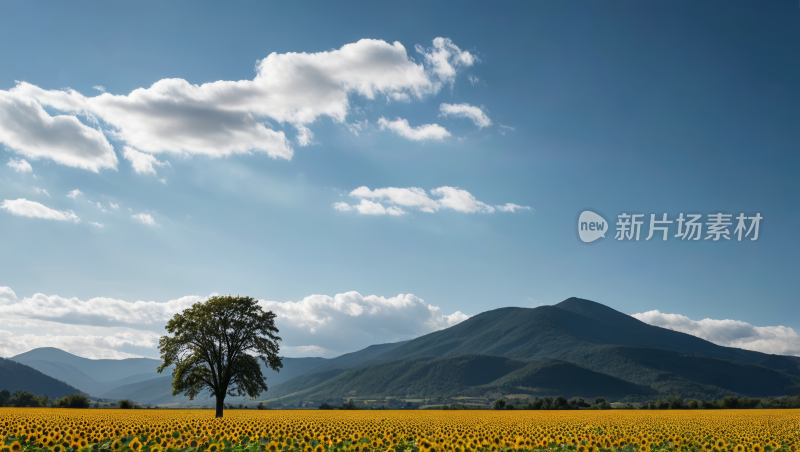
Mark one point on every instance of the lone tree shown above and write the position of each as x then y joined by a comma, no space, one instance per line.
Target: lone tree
216,345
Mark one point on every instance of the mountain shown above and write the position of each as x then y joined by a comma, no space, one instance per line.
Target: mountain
19,377
331,369
594,337
473,375
357,358
528,333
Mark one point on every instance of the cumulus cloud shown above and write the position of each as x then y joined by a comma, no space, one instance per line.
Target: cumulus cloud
74,194
407,197
97,225
142,163
41,190
468,111
416,198
100,88
29,130
420,133
460,200
228,117
23,208
144,218
87,346
19,165
778,340
349,321
316,325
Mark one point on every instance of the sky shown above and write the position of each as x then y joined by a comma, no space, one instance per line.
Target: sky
379,171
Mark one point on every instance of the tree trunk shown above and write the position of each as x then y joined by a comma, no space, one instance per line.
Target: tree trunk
220,405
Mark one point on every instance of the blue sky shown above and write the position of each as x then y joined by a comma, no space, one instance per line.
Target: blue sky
555,106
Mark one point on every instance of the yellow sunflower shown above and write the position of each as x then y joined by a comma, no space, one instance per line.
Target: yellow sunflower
135,445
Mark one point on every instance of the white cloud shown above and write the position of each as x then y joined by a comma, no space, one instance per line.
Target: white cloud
142,163
28,130
366,207
304,135
316,325
97,225
416,198
460,200
444,59
468,111
473,79
100,206
32,209
406,197
100,88
41,190
419,133
87,346
19,165
228,117
114,206
144,218
349,321
778,340
511,207
74,194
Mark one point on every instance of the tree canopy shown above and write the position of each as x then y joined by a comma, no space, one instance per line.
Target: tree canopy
216,346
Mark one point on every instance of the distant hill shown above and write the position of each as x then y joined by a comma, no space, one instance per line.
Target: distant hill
595,338
100,377
19,377
97,370
158,391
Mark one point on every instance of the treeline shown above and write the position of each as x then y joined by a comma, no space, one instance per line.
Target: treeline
22,399
672,403
558,403
731,402
25,399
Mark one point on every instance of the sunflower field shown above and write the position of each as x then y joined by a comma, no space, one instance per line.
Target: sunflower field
57,430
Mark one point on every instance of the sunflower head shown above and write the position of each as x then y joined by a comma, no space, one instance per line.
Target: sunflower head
15,446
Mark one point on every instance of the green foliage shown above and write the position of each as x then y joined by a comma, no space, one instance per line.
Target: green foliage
125,404
216,347
499,404
25,399
73,401
4,396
